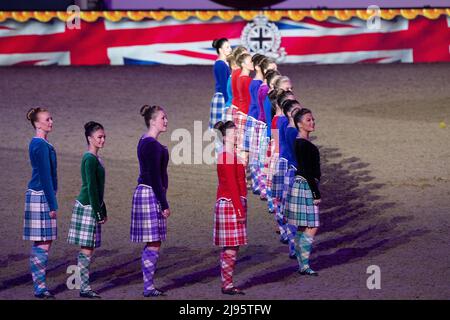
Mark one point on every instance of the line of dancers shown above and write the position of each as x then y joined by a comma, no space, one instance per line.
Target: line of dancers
265,147
149,212
266,137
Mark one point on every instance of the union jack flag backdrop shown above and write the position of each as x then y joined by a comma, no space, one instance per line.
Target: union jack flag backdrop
189,42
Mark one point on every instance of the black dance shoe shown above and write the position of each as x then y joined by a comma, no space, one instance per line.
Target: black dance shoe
233,291
90,295
45,295
154,293
308,272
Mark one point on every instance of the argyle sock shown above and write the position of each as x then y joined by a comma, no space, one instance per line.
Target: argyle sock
303,249
38,264
84,261
149,260
291,231
227,261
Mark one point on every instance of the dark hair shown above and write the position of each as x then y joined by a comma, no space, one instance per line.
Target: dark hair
218,43
32,114
90,128
241,59
282,96
299,115
288,105
273,101
270,75
223,126
148,112
264,64
257,58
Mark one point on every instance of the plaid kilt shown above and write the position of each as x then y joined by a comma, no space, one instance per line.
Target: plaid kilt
37,224
84,229
147,222
227,232
289,177
240,119
249,133
278,178
217,109
271,168
300,209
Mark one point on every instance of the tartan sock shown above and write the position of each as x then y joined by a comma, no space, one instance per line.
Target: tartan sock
279,219
227,262
84,261
304,249
38,264
149,260
291,232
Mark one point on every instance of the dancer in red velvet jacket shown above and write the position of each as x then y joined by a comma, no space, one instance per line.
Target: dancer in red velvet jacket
230,229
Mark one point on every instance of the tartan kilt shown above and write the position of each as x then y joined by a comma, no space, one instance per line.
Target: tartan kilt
249,133
240,119
37,224
278,178
289,177
271,167
263,146
217,110
84,229
147,222
300,209
227,232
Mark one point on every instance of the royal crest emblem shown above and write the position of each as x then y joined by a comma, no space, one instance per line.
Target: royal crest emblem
262,36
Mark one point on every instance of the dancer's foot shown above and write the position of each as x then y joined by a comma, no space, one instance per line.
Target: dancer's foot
154,293
292,255
233,291
308,272
284,240
91,294
45,295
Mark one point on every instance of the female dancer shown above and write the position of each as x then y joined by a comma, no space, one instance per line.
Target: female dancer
230,230
40,199
232,102
221,75
244,61
265,107
290,107
150,208
303,199
89,211
251,141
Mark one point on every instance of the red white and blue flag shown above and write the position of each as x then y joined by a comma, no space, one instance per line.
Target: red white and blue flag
189,42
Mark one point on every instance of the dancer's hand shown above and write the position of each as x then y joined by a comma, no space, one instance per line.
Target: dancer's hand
317,202
166,213
52,214
242,220
103,221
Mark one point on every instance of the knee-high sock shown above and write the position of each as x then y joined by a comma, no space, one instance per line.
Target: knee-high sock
84,261
227,262
279,219
291,231
149,260
304,249
38,264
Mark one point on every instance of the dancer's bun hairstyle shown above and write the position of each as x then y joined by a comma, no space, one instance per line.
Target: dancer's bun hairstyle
90,127
218,43
32,115
148,112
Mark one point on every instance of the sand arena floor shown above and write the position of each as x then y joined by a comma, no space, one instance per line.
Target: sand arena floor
386,182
